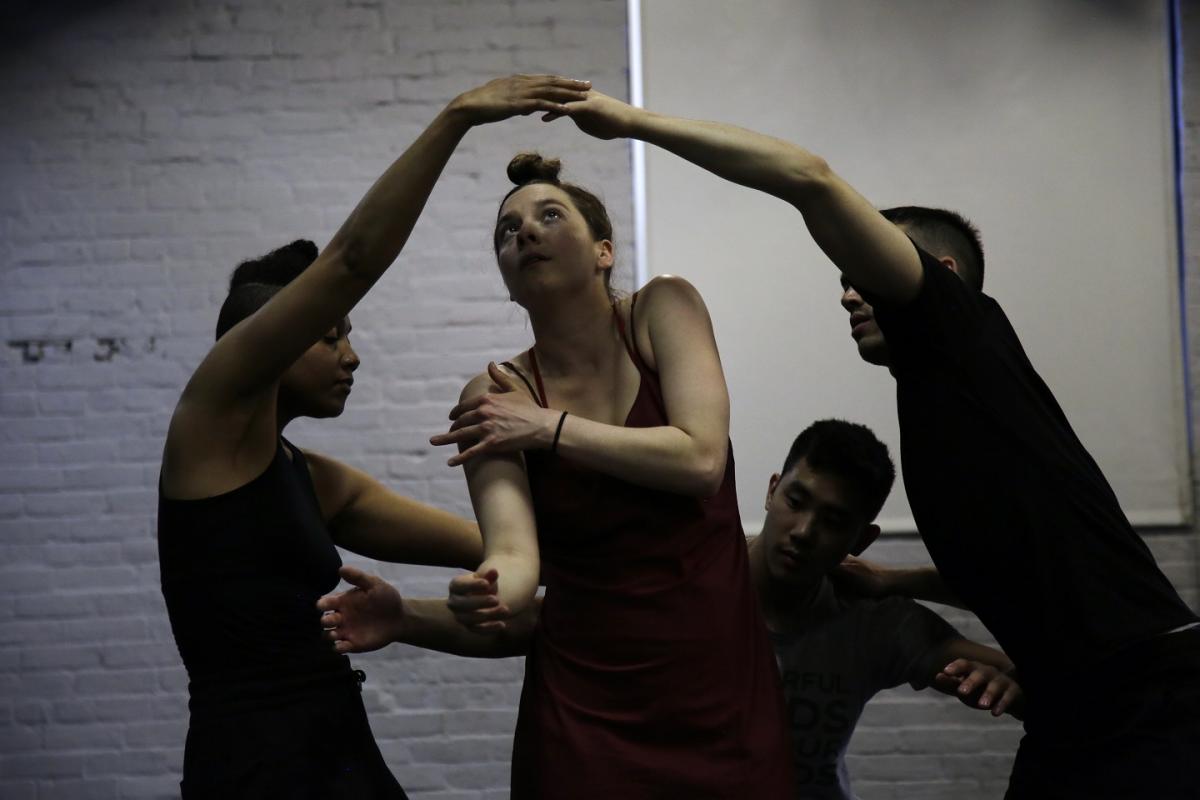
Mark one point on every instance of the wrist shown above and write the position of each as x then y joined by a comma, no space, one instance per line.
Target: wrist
400,628
640,124
458,116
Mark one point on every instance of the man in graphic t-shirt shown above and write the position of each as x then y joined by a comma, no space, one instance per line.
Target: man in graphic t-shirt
836,649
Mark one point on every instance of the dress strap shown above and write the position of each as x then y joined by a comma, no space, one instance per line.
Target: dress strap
521,375
627,336
537,376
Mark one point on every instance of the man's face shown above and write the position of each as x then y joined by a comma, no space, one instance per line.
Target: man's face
863,328
813,521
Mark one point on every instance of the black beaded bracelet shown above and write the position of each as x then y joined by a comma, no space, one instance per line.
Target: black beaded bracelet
557,433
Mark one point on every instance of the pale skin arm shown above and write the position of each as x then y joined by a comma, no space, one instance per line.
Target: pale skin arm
372,614
225,416
871,252
979,676
869,579
504,584
688,456
366,517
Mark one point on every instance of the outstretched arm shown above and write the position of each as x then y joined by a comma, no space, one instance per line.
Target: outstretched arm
872,252
372,614
980,676
869,579
257,351
686,456
370,519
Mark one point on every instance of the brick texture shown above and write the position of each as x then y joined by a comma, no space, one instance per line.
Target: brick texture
151,146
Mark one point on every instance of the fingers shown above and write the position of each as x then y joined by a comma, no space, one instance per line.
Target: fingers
474,602
1009,697
330,601
457,434
355,576
500,378
465,406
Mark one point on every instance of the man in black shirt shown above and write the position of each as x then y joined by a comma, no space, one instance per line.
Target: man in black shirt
1015,513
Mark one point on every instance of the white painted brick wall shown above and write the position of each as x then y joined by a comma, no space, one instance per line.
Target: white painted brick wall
150,147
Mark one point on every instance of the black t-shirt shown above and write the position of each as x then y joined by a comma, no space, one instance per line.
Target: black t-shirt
1016,514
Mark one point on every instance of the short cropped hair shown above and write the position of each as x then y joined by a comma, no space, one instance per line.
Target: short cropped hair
256,281
850,452
941,232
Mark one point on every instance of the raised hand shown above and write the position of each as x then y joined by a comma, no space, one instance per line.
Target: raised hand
364,618
474,601
599,115
501,421
519,94
981,686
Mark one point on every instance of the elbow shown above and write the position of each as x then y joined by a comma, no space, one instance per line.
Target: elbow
808,175
710,475
349,253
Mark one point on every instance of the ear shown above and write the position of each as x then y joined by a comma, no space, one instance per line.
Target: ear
604,254
869,534
949,263
772,485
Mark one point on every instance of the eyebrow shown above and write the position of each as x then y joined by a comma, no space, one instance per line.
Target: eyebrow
545,201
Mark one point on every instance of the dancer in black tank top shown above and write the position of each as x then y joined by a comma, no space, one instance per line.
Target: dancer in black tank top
248,523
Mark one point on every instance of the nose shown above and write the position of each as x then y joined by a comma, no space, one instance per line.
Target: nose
801,528
350,358
527,233
851,299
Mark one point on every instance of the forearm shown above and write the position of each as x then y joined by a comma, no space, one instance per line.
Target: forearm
433,538
518,578
663,457
373,235
741,156
428,623
974,651
920,583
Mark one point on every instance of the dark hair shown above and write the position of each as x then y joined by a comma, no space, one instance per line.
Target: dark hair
256,281
941,232
848,451
529,168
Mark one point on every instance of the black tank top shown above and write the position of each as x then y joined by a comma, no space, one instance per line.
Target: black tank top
241,574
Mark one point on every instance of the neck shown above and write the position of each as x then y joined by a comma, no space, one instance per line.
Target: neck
781,601
575,332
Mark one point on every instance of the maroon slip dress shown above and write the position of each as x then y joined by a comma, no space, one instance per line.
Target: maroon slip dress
650,674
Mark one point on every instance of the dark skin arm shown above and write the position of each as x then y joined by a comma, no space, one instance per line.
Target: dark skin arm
224,430
372,614
368,518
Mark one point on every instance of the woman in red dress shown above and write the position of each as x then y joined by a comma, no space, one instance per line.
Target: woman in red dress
599,462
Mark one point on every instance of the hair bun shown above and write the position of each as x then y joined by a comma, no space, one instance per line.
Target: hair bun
277,268
529,167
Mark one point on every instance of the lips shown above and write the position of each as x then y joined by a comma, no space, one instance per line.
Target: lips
531,258
790,558
346,383
859,323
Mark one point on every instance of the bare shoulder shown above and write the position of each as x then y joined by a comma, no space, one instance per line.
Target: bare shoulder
336,484
669,290
517,367
209,453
